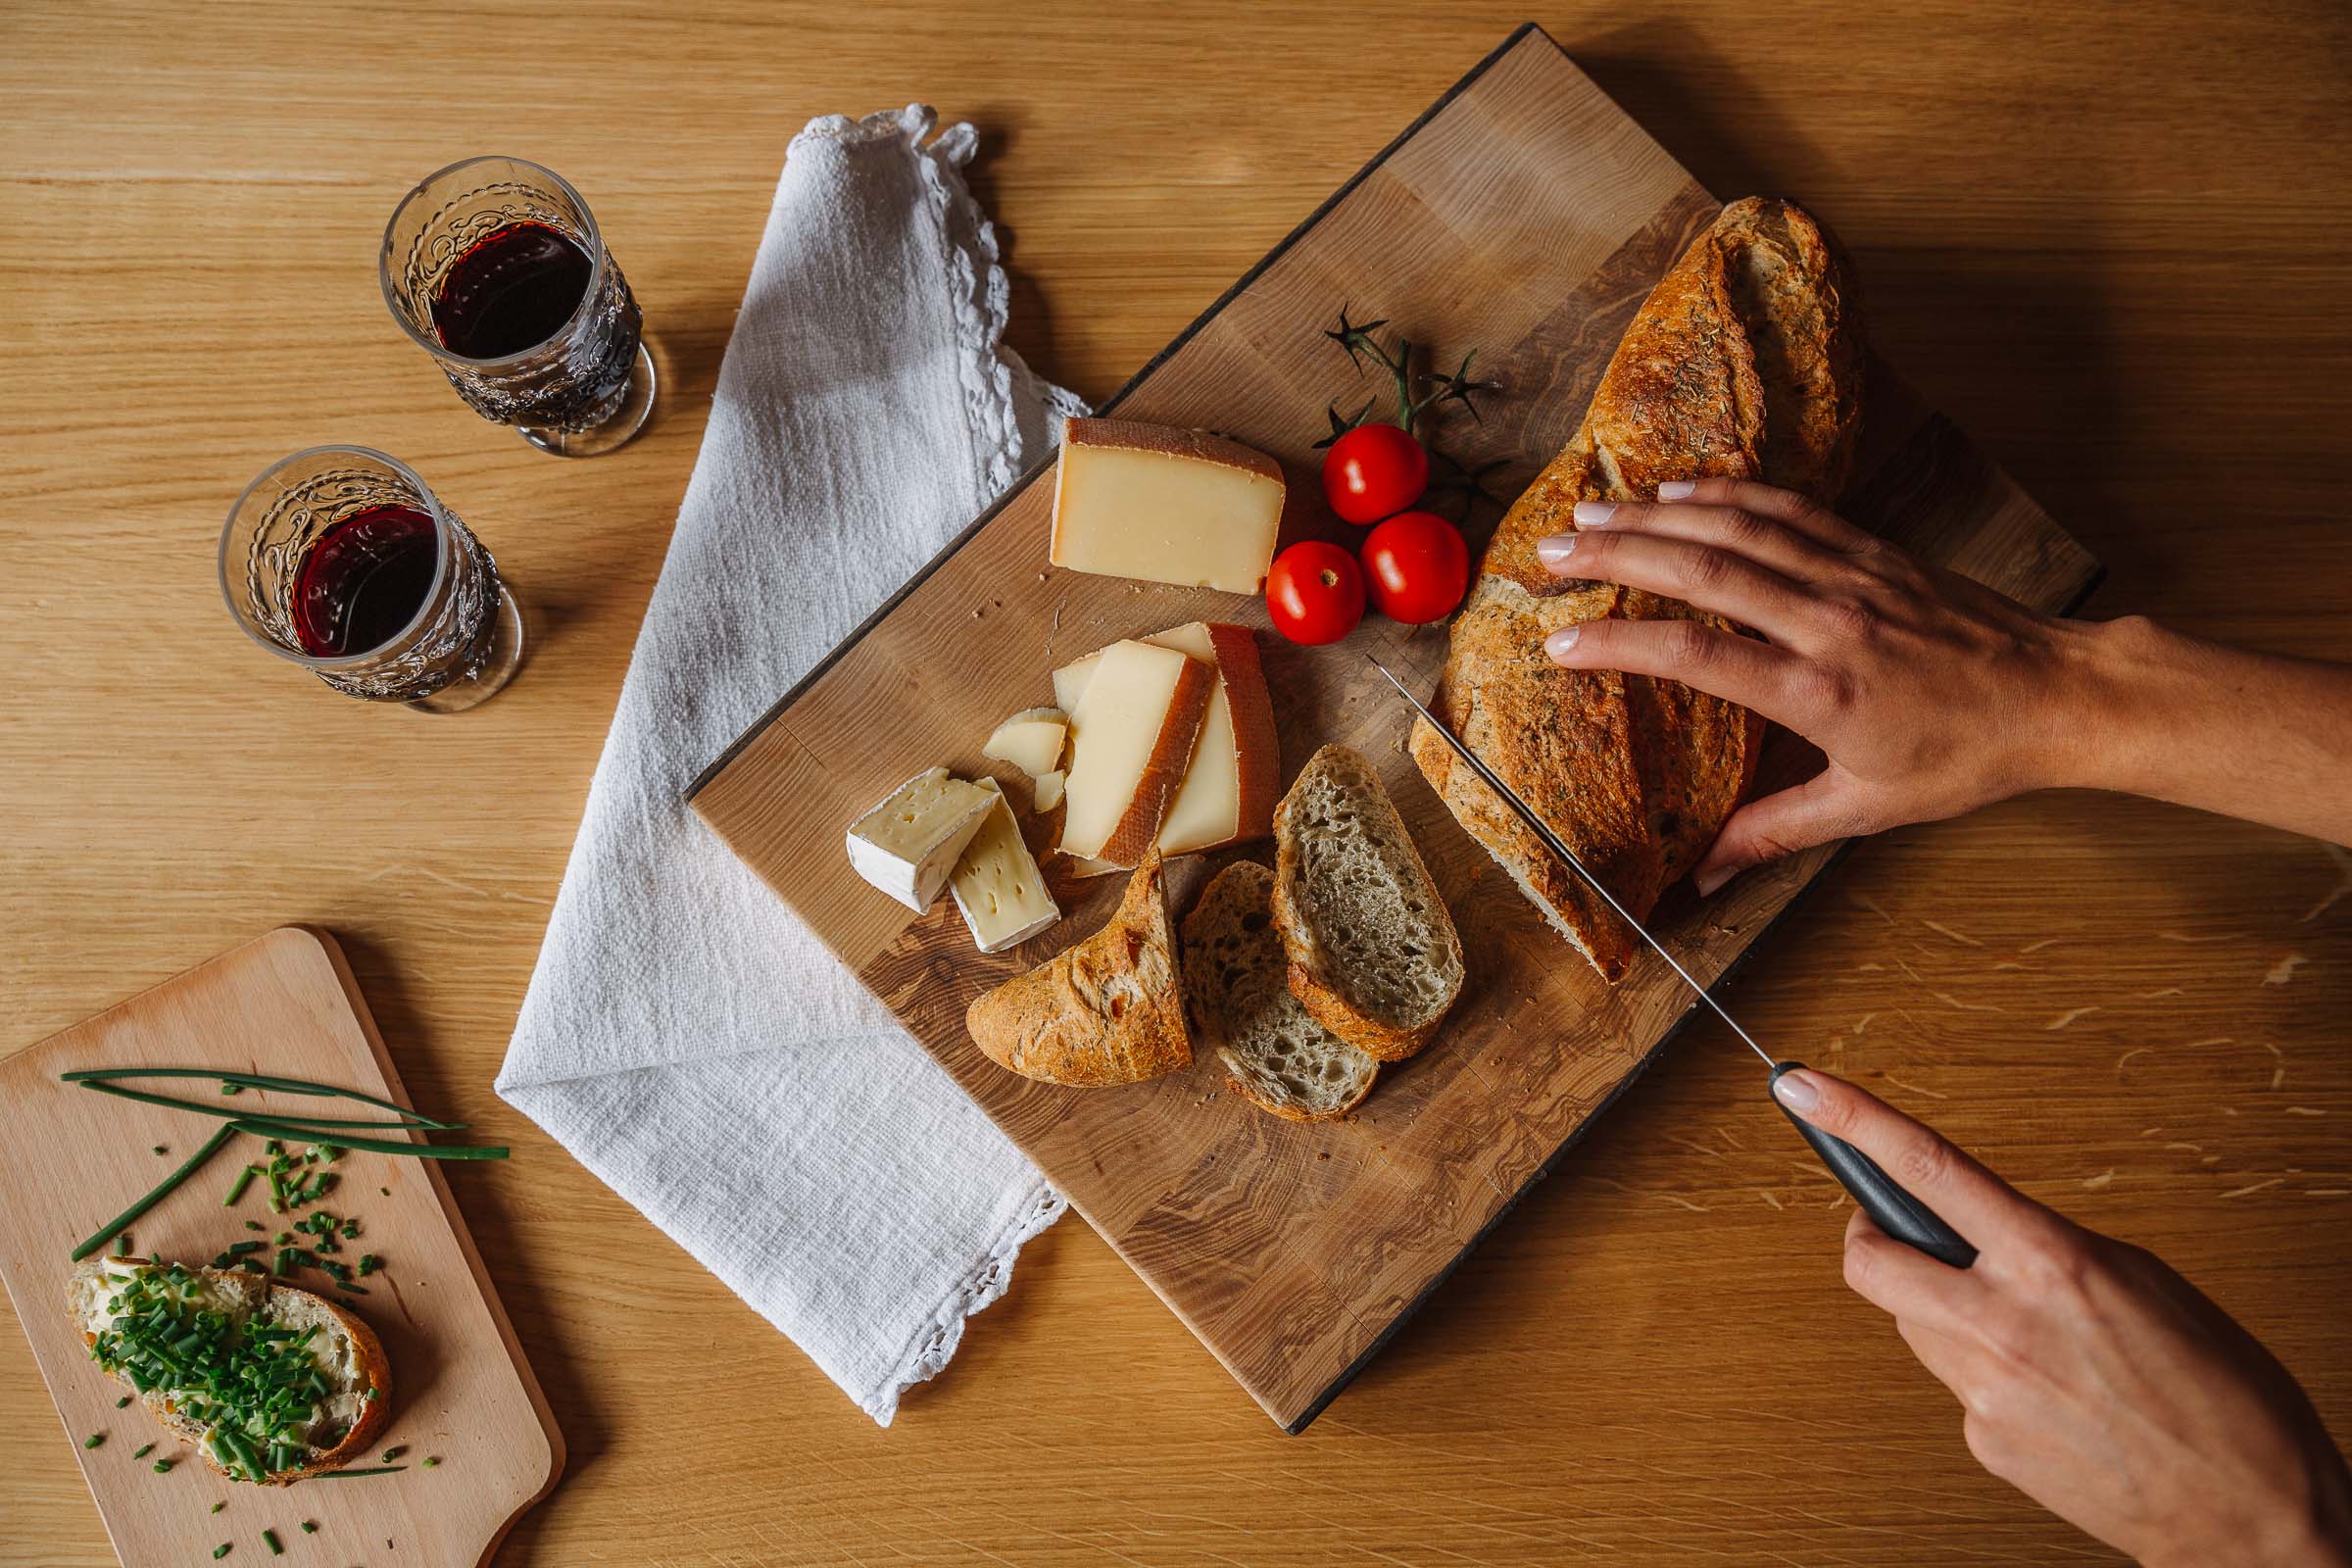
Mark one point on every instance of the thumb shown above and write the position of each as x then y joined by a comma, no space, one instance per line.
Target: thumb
1828,806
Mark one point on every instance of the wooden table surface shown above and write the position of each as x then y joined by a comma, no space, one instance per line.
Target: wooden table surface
2110,239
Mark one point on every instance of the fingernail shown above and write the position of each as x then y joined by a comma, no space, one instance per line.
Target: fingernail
1674,490
1592,514
1556,549
1560,642
1707,881
1797,1090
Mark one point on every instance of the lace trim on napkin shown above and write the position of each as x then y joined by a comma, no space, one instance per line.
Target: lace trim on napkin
935,1345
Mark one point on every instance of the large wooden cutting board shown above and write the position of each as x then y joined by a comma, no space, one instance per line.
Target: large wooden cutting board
285,1004
1526,217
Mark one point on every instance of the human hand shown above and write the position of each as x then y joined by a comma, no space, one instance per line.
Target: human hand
2094,1379
1930,693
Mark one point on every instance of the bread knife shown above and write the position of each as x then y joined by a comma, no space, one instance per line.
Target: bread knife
1895,1212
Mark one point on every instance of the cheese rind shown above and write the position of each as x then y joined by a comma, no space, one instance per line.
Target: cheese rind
907,845
1181,507
997,886
1131,741
1030,740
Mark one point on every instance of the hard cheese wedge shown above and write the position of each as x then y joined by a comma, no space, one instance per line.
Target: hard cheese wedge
1165,505
1228,792
997,885
1130,740
907,845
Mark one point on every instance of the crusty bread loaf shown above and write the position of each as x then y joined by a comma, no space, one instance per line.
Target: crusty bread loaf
1105,1010
1373,953
1236,984
351,1358
1745,362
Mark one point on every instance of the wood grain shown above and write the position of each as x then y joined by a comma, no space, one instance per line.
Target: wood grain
284,1003
2079,248
1525,215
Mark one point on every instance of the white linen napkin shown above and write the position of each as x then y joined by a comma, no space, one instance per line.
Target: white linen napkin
684,1035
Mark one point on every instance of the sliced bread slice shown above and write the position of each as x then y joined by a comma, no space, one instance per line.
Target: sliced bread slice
124,1307
1373,953
1235,985
1107,1010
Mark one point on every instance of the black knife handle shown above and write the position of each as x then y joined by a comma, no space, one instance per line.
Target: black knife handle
1895,1210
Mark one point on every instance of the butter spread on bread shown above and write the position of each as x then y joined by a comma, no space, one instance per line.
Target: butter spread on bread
1105,1010
269,1381
1745,362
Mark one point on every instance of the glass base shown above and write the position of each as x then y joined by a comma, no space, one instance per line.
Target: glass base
499,664
628,416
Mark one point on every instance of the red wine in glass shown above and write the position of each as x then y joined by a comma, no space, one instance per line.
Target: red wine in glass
362,581
496,267
511,290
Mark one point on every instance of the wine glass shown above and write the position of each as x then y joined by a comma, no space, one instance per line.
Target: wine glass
497,268
340,559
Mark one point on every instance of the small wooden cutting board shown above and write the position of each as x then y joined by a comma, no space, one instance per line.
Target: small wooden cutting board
1524,215
284,1005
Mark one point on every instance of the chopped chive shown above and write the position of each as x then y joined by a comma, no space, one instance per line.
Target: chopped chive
95,1440
231,1088
275,1146
240,1249
143,1450
161,1149
255,1225
119,1404
222,1550
122,1244
285,1260
250,1265
371,1470
431,1460
236,1188
385,1191
270,1537
218,1507
163,1467
393,1453
310,1527
373,1393
285,1237
332,1151
121,1221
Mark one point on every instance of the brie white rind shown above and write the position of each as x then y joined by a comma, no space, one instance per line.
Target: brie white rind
1030,740
997,886
907,845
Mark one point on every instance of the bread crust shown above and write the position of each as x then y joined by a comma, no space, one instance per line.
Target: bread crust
374,1372
1318,992
1744,361
1108,1009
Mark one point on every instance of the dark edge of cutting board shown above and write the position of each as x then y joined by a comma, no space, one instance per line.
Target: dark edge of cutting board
1722,983
776,708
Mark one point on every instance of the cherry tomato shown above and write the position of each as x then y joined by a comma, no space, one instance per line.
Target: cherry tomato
1416,567
1314,593
1372,472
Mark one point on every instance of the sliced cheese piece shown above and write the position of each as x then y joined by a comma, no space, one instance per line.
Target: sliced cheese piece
1030,740
1085,866
1228,792
906,846
1069,681
1131,742
1048,790
1229,789
997,885
1164,504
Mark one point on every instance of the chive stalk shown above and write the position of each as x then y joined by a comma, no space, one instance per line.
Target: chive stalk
122,1222
255,1080
236,1188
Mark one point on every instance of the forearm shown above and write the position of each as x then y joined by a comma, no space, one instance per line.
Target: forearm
2153,712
